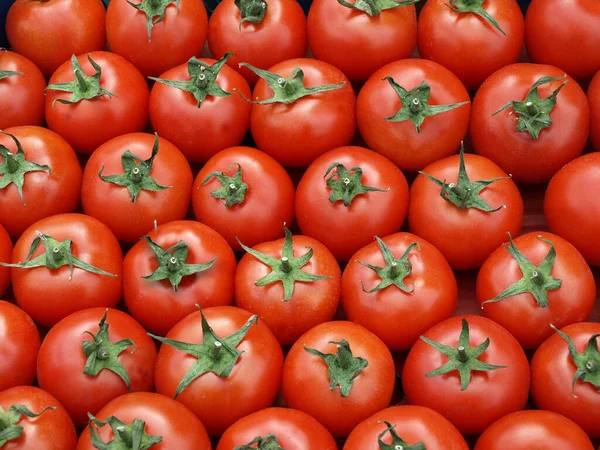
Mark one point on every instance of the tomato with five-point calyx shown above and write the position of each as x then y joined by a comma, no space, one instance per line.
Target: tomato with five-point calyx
414,112
593,95
6,248
358,194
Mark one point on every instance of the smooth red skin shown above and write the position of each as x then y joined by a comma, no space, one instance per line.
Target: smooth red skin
48,32
268,204
496,137
111,203
178,37
593,95
489,396
154,303
552,371
45,194
48,296
90,123
53,430
295,430
165,417
467,236
525,430
218,402
414,424
440,135
20,346
521,315
6,248
306,380
311,304
296,134
279,37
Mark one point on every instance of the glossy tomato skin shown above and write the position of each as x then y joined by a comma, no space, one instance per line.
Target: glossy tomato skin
90,123
49,296
296,134
294,430
496,137
280,36
440,135
267,205
593,95
489,396
174,40
306,381
345,229
6,248
469,235
111,203
44,194
163,416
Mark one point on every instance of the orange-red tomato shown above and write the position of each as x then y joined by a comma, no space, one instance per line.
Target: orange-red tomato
593,95
6,248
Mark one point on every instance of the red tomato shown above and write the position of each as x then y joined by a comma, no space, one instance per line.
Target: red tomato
593,95
557,132
253,211
118,106
493,381
396,119
6,248
360,383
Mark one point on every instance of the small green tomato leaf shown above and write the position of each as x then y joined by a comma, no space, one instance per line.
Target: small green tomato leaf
475,7
233,189
345,185
9,419
252,11
152,9
131,436
268,442
397,442
374,7
8,73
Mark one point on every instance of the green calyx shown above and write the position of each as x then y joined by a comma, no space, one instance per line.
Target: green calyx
152,9
414,104
215,354
268,442
536,280
233,189
136,173
287,90
475,7
131,436
288,269
463,358
534,112
14,167
397,442
8,73
9,419
252,11
345,185
374,7
343,367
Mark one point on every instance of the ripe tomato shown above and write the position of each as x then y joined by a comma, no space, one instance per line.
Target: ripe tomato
533,144
358,194
134,180
45,179
262,33
396,119
109,101
44,284
162,417
6,249
340,373
470,370
229,367
593,95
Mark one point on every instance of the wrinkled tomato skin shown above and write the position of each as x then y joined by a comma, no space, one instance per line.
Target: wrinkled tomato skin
593,95
6,248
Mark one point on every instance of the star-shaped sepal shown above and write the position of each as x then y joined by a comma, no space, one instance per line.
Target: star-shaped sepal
346,185
233,189
397,442
127,436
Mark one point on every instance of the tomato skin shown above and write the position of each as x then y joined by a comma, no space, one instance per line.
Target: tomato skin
593,95
6,248
268,204
306,382
90,123
344,229
440,135
496,137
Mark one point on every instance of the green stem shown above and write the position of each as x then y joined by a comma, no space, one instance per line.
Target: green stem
592,365
462,354
173,264
345,357
285,265
136,175
415,105
125,435
532,110
55,257
215,351
81,79
201,81
11,163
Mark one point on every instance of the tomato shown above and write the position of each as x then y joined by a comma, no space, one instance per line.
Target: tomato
470,370
290,429
46,179
475,208
261,200
373,201
197,108
21,91
45,423
396,119
406,426
6,248
88,112
156,36
320,117
44,284
222,386
469,45
48,32
293,284
163,418
533,144
593,95
262,33
340,373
